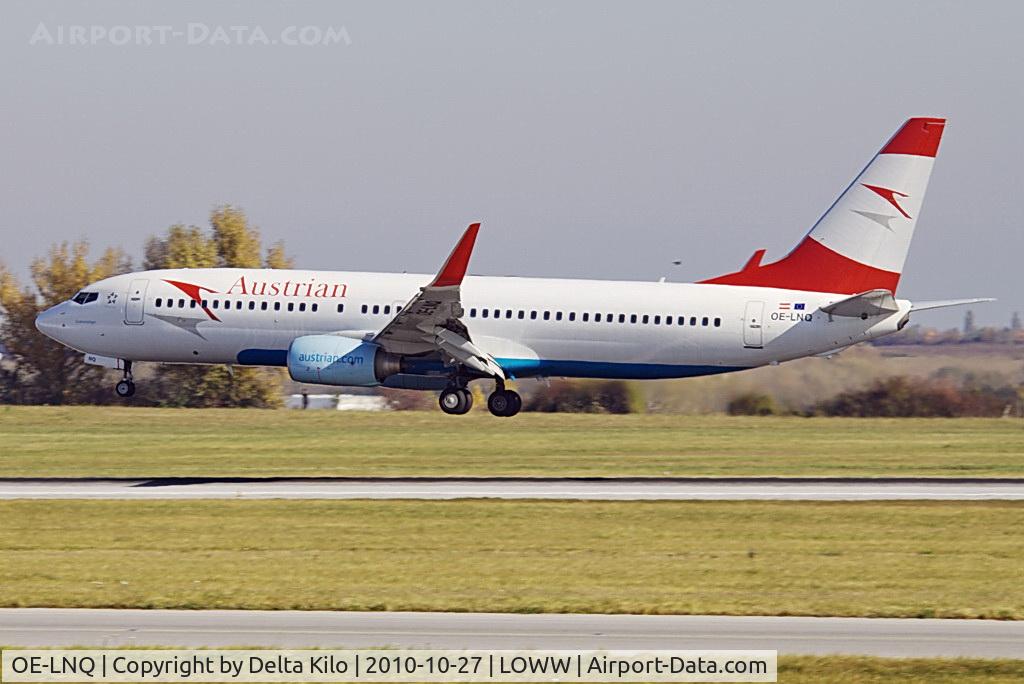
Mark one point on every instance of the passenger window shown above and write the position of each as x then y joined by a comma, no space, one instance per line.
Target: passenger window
302,306
718,322
205,304
227,304
668,320
376,309
192,304
263,306
522,314
216,303
632,318
291,306
693,320
181,303
277,306
622,318
572,315
365,308
238,305
485,313
341,308
657,320
472,313
547,315
597,317
159,301
387,308
497,313
704,321
558,315
586,317
508,313
314,307
533,315
252,306
398,309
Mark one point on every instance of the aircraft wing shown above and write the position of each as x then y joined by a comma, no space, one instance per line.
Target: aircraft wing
430,320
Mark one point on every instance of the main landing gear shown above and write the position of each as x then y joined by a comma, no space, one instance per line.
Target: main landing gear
456,401
126,388
504,402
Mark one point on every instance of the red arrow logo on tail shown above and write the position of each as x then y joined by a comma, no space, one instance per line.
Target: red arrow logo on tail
889,196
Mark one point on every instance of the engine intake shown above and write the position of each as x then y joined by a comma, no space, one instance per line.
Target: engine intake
335,360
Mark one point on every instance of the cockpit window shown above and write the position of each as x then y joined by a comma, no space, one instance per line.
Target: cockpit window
84,297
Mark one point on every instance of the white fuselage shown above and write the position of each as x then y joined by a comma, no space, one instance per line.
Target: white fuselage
532,326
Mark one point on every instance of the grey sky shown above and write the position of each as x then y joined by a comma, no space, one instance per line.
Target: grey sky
592,140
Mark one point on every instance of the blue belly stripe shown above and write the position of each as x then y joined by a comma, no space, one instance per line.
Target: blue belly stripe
525,368
607,369
263,357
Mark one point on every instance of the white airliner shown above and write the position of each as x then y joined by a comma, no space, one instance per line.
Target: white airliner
835,289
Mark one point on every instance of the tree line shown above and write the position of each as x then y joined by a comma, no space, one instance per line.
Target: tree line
37,370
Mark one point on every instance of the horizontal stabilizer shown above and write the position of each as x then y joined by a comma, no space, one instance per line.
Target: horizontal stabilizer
943,303
870,303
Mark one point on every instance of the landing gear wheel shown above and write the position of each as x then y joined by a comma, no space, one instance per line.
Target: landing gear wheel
504,403
125,389
517,402
455,402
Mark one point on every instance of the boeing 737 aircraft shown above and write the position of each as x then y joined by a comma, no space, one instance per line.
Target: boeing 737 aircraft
835,289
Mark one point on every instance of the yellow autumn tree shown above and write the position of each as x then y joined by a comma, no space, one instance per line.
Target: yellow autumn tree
41,370
230,242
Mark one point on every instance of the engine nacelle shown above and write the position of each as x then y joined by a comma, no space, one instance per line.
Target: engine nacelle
335,360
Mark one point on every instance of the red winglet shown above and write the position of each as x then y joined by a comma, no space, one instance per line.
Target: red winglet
454,269
920,136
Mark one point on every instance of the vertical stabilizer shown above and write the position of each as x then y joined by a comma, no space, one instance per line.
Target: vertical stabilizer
861,242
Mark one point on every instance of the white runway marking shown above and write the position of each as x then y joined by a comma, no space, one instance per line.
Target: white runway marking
610,489
302,629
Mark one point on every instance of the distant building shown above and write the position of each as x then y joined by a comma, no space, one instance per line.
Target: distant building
340,402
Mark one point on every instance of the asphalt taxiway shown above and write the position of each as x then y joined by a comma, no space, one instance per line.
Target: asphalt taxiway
42,627
609,489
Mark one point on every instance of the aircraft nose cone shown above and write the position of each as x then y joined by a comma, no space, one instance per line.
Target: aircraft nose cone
48,322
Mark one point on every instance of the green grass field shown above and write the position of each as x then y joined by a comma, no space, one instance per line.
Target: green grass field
891,559
109,441
858,670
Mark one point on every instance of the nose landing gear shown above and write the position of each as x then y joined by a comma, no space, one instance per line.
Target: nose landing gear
126,388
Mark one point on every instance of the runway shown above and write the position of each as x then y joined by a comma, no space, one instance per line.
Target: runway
299,629
607,489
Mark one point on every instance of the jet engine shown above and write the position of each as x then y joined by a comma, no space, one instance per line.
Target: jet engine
336,360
